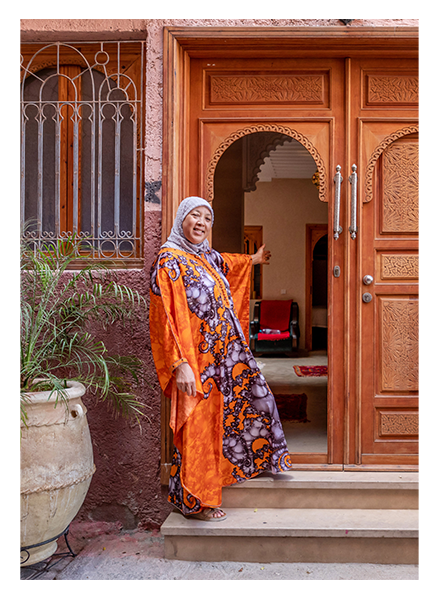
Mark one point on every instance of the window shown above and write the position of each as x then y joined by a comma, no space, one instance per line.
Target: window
81,146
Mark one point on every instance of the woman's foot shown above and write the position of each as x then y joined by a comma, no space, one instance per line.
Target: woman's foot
214,513
209,514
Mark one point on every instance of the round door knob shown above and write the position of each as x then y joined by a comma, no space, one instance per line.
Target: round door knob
367,279
367,297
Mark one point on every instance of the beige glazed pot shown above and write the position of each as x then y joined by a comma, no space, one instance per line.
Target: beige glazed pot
56,469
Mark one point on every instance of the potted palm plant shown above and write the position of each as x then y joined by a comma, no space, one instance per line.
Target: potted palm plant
64,315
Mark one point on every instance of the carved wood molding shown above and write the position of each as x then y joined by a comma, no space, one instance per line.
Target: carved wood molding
400,183
396,135
256,129
246,89
391,90
395,423
399,266
399,345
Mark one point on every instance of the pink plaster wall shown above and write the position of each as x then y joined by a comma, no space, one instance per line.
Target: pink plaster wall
126,486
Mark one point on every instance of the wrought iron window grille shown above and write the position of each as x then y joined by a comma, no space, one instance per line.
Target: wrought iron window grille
82,146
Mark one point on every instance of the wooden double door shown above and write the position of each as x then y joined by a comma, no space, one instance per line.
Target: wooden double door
357,116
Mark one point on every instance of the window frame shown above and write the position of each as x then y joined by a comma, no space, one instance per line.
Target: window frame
123,63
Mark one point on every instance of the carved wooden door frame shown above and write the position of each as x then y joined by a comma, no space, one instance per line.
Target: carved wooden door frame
181,45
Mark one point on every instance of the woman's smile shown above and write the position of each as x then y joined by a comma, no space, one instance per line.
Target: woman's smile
198,230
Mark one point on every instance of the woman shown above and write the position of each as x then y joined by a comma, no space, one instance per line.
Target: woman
223,415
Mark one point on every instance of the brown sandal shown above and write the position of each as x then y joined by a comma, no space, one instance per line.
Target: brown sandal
207,516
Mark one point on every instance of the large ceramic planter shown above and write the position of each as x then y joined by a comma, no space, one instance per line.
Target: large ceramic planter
56,469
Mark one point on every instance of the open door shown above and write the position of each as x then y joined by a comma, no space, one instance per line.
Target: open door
303,100
357,117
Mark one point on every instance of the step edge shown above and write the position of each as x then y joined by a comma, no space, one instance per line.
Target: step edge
341,485
405,524
293,533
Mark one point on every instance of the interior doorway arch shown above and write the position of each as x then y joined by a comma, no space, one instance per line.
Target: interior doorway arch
265,127
270,180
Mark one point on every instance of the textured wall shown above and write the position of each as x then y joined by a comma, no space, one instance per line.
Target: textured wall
126,486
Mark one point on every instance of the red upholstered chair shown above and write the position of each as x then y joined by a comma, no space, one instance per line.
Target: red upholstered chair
275,326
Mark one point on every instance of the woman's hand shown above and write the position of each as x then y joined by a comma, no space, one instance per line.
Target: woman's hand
185,379
262,256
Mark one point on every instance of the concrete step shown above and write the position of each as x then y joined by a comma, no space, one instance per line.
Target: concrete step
316,489
296,535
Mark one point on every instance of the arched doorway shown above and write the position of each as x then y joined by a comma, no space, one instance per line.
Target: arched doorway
265,183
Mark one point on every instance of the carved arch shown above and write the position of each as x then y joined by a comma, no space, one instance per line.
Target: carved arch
396,135
266,127
255,162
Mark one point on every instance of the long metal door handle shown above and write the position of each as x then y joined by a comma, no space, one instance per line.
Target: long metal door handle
353,181
337,180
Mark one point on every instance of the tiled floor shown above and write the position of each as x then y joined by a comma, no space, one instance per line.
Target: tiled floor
282,379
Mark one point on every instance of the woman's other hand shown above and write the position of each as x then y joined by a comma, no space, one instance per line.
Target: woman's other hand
262,256
185,379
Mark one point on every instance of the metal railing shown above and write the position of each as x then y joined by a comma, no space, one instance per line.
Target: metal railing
81,145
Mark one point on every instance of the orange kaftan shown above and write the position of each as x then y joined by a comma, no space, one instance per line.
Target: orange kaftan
231,431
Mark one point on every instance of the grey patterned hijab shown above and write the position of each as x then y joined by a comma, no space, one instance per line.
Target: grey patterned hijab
177,239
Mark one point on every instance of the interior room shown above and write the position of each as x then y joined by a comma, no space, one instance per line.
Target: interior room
266,191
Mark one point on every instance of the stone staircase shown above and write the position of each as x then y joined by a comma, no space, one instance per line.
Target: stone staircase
306,516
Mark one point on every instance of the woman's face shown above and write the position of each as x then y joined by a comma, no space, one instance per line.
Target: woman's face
197,224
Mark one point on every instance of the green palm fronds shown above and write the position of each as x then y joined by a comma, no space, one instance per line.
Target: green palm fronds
62,313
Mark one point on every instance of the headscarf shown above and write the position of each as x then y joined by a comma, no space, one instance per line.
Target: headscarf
177,239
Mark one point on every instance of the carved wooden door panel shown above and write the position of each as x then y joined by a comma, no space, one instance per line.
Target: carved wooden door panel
386,411
305,100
